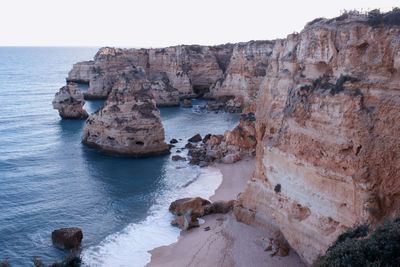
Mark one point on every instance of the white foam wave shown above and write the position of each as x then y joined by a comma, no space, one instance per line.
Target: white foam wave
130,247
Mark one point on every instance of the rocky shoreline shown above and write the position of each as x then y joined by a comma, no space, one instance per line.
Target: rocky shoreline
319,112
221,240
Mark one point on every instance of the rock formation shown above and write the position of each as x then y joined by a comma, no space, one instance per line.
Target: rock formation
327,133
129,123
196,205
69,102
188,210
228,148
67,238
190,69
232,70
321,111
80,72
246,70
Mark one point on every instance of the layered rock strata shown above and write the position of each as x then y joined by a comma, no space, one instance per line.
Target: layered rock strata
231,70
190,69
324,110
246,70
327,133
128,124
81,72
69,102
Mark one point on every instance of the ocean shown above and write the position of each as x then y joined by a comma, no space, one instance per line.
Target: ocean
49,180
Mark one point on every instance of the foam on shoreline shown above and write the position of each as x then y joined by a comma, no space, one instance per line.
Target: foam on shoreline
130,246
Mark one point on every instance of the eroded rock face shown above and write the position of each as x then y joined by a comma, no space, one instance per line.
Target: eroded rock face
80,72
128,124
246,70
192,70
69,102
327,133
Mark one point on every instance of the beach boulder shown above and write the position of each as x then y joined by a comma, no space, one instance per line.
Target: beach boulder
67,238
196,205
186,221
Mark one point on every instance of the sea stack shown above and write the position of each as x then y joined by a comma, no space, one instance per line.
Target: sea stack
69,102
128,124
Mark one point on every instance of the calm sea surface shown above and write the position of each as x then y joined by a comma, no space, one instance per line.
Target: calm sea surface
49,180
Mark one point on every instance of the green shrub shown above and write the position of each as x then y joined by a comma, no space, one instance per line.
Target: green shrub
360,247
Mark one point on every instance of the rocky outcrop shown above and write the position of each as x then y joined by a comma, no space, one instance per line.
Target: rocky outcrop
80,72
327,137
196,205
246,70
69,102
164,94
228,148
192,70
188,210
185,221
215,72
67,238
129,123
320,113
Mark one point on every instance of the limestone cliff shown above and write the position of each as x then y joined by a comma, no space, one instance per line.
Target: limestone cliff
327,133
322,106
245,71
80,72
69,102
190,69
129,123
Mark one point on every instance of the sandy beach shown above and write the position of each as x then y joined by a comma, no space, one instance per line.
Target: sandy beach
228,242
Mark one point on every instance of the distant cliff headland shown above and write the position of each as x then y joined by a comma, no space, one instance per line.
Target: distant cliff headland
320,112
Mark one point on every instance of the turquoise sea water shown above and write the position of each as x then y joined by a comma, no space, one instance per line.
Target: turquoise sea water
48,179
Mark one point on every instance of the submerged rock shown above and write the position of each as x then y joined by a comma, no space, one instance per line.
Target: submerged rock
187,103
69,102
177,157
196,138
128,124
67,238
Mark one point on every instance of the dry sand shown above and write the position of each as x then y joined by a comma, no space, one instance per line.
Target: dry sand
228,242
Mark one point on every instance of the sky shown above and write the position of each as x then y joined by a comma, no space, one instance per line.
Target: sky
157,23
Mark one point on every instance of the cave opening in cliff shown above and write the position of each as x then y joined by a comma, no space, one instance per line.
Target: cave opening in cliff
201,90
